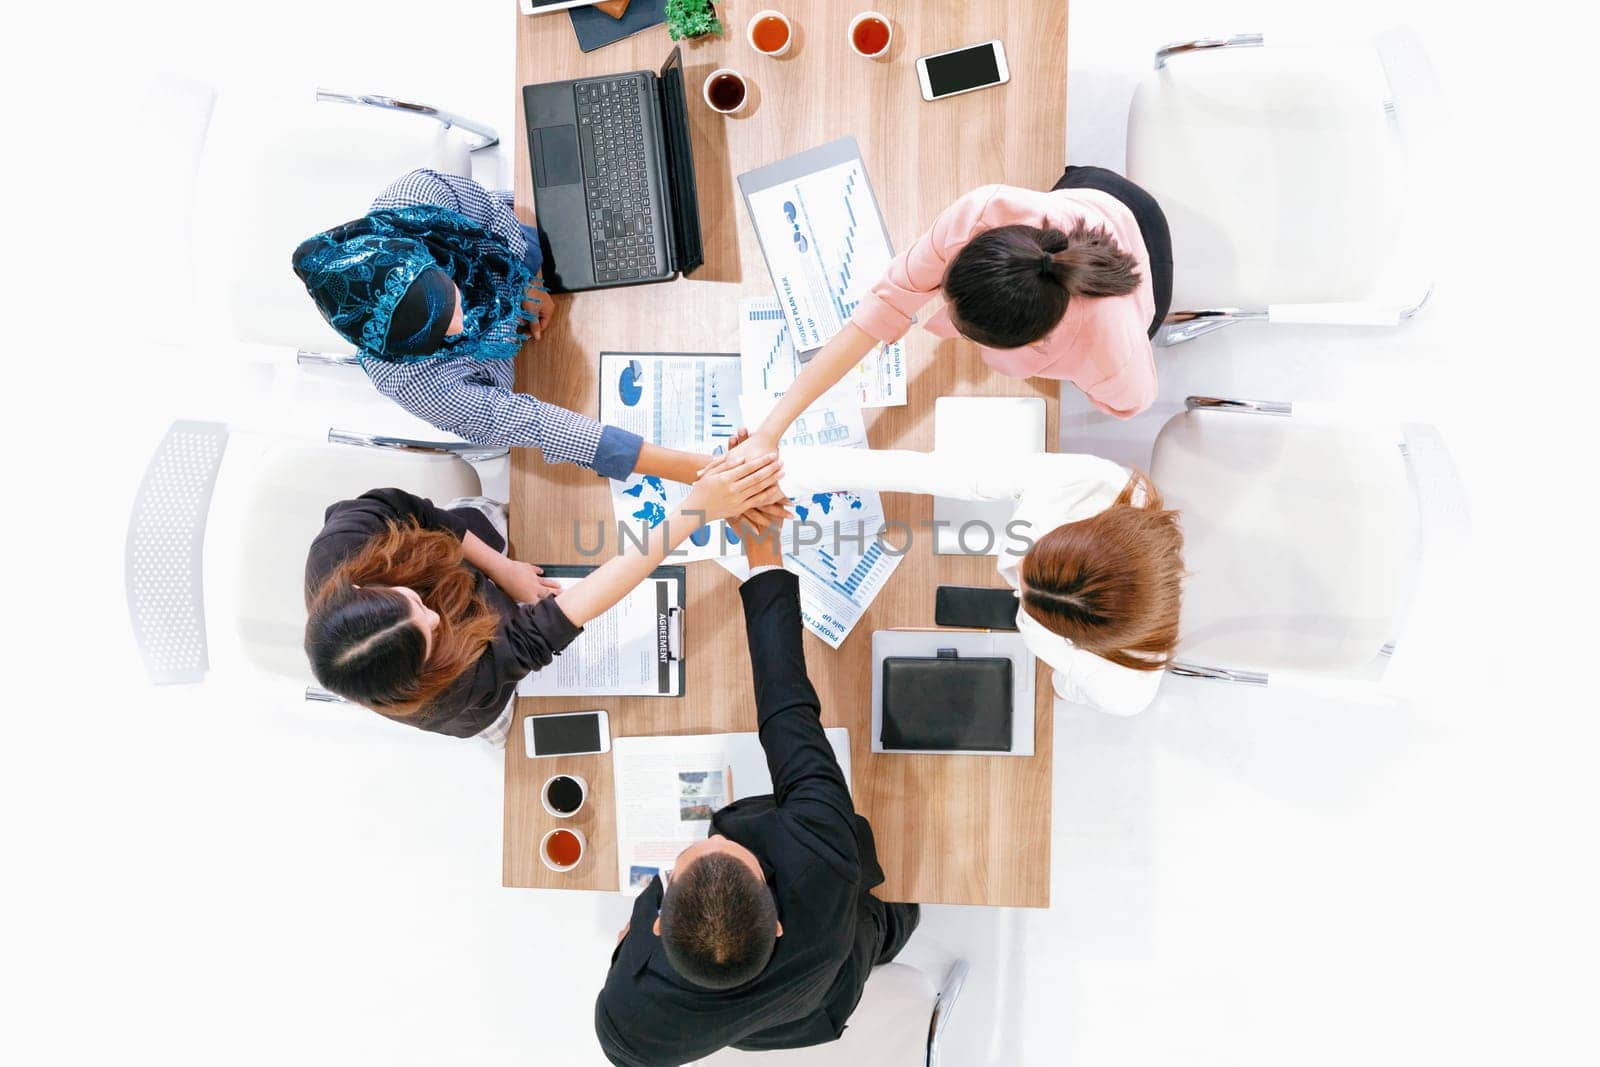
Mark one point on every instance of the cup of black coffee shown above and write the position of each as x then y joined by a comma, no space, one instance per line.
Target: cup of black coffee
725,91
563,795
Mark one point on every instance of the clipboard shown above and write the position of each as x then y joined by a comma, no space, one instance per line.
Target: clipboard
598,663
794,168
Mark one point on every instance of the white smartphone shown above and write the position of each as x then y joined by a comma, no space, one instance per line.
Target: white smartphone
962,70
571,733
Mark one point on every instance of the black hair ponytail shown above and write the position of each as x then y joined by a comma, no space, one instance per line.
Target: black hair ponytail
1010,285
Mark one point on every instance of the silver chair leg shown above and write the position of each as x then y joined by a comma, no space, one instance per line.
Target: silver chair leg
942,1008
1249,407
1181,326
1217,674
485,136
463,449
1205,44
307,358
1407,312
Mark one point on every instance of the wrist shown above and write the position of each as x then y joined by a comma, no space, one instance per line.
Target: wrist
670,463
763,552
683,521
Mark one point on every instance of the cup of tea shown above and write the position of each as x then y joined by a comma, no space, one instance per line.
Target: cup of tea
563,795
725,91
770,33
871,33
562,848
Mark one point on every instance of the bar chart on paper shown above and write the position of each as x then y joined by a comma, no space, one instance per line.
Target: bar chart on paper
836,587
771,364
825,245
848,582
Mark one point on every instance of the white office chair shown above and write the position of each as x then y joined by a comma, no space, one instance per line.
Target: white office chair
1302,537
275,492
899,1023
272,172
1282,173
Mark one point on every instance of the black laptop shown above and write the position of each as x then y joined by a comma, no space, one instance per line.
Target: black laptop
613,178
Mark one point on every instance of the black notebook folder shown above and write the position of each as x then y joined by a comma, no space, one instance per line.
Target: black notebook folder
596,29
945,702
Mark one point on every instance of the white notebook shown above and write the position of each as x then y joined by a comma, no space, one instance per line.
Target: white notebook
995,427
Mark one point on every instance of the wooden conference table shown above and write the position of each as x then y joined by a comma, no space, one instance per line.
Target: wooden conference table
950,829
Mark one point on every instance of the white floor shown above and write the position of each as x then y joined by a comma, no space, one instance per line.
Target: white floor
225,875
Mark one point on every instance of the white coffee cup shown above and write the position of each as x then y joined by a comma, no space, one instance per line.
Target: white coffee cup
705,91
583,795
769,13
544,847
858,20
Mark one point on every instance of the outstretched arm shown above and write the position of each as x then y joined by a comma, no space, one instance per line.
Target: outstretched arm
827,368
670,463
719,495
807,782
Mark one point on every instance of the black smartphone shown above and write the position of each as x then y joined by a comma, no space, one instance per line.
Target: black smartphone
975,608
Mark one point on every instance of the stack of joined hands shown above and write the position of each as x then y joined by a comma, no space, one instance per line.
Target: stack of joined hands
751,461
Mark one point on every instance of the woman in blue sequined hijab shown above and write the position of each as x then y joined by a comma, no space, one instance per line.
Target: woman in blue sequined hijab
416,283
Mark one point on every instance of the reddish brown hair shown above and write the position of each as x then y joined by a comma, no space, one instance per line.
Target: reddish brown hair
359,635
1112,584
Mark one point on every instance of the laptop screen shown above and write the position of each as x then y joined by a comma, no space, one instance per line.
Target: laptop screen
680,166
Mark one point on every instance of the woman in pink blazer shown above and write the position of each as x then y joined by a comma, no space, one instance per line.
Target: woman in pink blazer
1070,283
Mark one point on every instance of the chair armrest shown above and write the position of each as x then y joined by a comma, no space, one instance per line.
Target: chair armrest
485,135
1202,44
943,1006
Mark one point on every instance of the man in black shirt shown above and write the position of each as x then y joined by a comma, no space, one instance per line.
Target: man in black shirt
766,930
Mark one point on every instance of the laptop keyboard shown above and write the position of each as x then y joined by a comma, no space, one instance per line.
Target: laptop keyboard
616,179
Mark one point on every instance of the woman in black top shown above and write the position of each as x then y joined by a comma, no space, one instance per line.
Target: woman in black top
414,612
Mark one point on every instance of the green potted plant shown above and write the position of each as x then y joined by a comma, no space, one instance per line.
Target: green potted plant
691,18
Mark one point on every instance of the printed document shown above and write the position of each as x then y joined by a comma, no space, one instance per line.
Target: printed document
770,363
667,789
686,401
825,245
634,649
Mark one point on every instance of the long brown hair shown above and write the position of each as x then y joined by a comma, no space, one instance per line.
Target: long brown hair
1010,286
359,637
1112,584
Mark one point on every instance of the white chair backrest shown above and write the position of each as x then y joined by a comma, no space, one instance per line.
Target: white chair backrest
282,511
1300,539
1278,171
273,173
889,1028
163,566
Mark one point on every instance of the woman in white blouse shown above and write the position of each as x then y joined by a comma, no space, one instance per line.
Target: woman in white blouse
1095,559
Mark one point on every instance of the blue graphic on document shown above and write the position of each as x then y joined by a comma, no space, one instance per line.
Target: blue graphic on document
652,508
842,500
628,383
847,583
